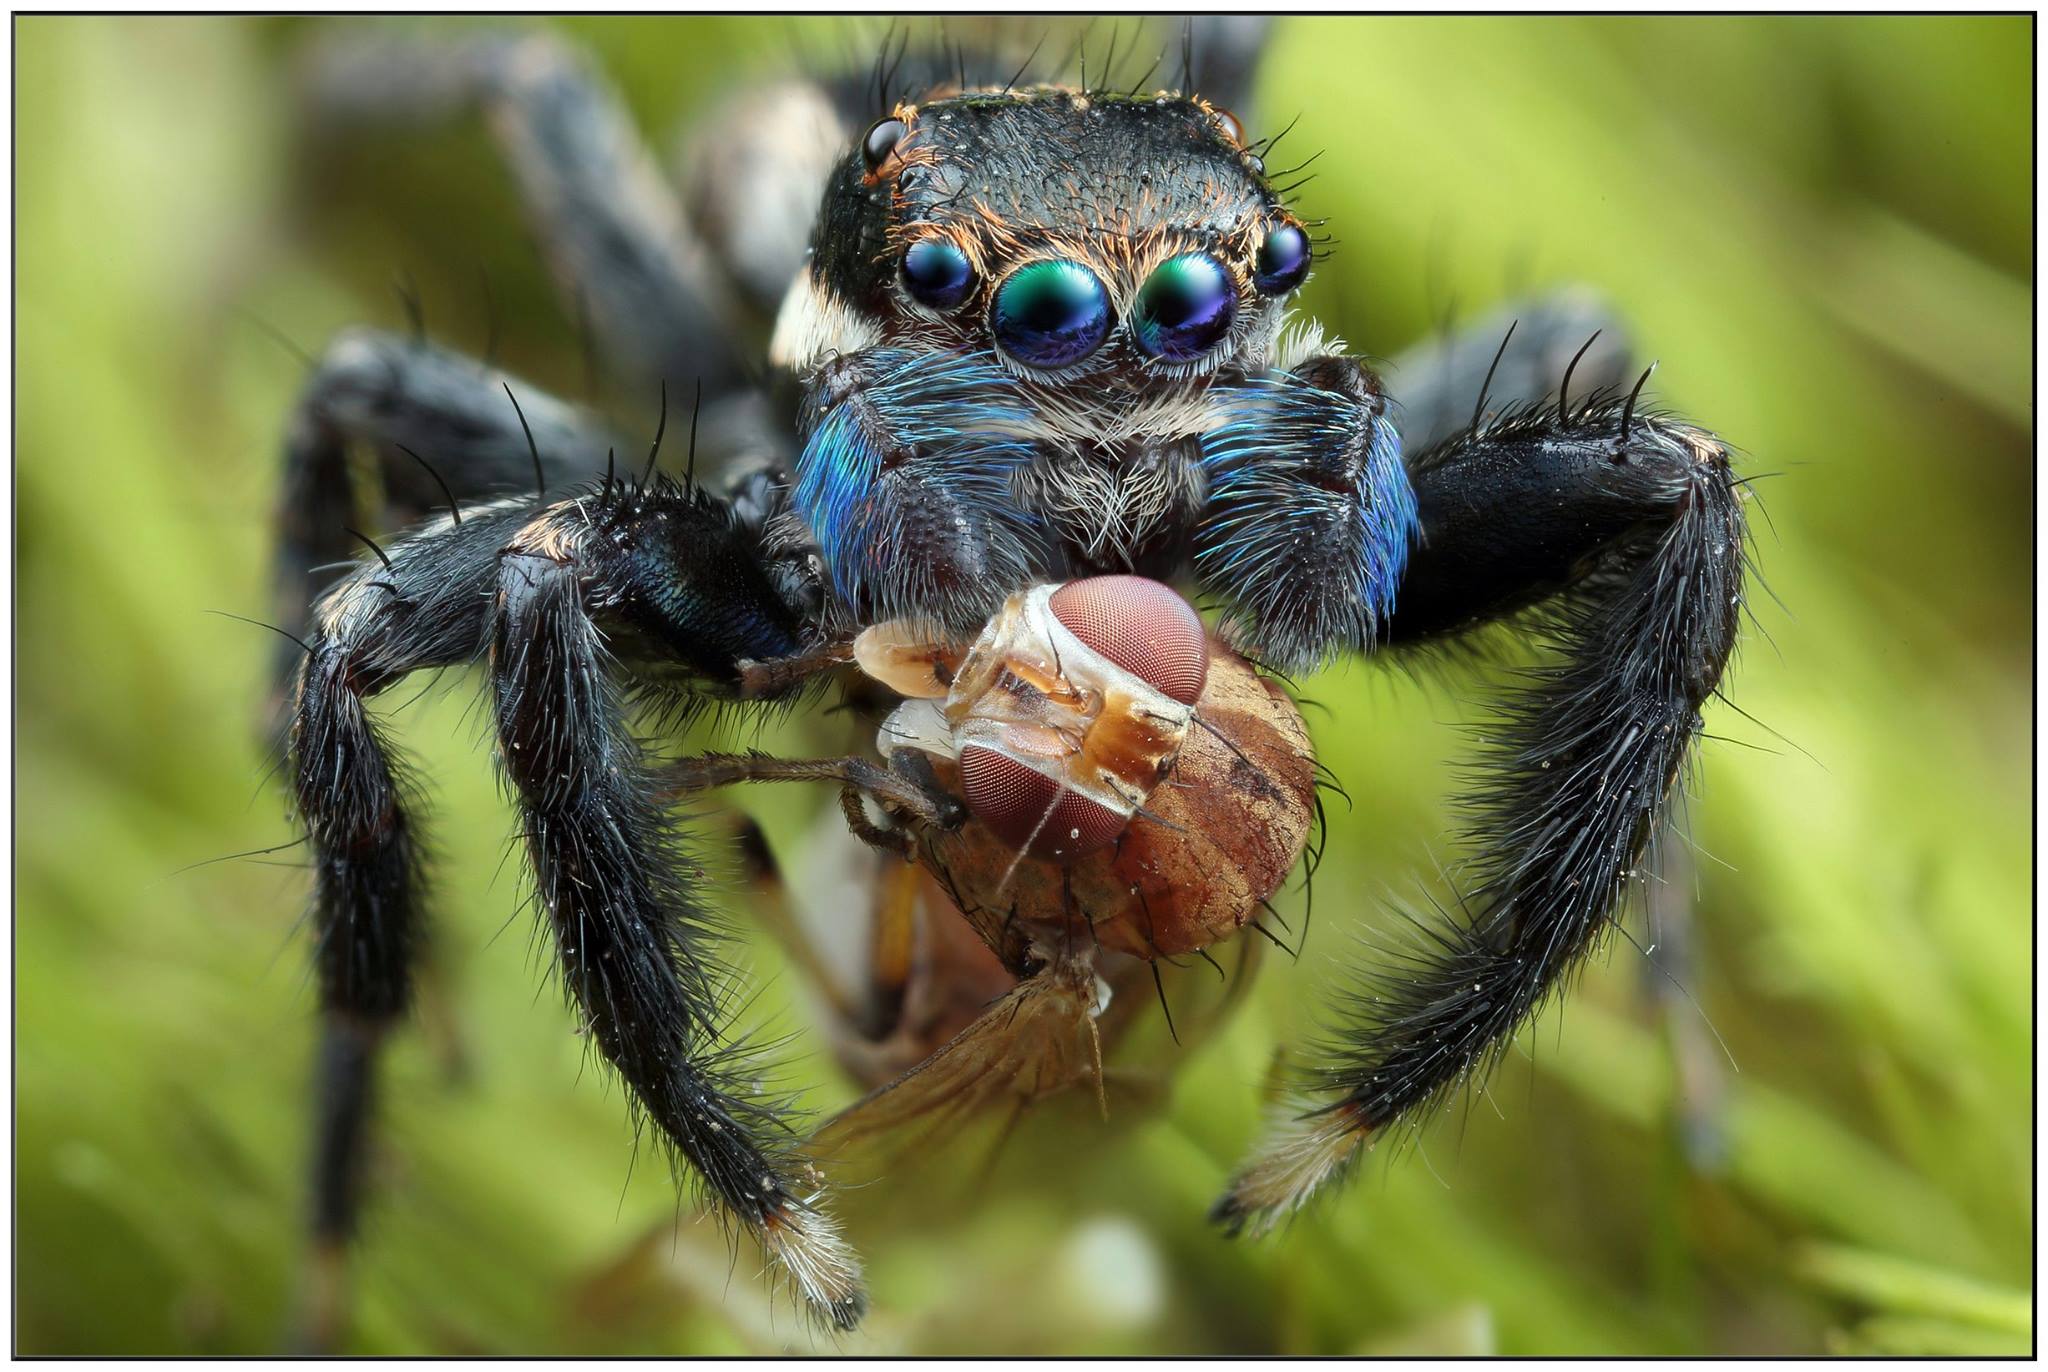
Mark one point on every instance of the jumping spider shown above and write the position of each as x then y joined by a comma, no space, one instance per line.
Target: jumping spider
1036,363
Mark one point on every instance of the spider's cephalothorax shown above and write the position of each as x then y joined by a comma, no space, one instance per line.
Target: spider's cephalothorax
1040,332
1033,387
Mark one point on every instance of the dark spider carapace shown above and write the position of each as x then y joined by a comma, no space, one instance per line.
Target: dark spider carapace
1038,362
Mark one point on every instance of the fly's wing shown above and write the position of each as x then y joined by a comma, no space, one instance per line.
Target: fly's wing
1036,1040
1043,1037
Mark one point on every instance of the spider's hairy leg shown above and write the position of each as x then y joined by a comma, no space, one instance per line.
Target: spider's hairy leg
1622,536
1437,381
617,240
668,579
1309,516
424,611
445,436
906,481
1219,58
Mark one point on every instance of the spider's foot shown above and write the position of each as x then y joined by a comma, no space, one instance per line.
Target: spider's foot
807,1248
1304,1150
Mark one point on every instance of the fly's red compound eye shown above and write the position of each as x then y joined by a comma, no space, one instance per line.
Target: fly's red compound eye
1141,626
1030,810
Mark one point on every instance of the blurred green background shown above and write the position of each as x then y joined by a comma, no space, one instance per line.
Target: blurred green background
1822,227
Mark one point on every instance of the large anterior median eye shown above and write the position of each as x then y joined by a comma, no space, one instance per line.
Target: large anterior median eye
1050,314
937,273
1283,260
1184,308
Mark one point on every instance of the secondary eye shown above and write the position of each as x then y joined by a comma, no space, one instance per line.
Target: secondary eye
1283,260
881,140
1051,314
1184,308
937,273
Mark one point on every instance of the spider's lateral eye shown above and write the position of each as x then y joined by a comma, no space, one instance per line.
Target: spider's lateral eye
1141,626
1233,127
881,140
1283,260
1029,810
1051,313
937,273
1185,307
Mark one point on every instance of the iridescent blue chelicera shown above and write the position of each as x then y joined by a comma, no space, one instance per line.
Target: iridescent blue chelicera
1184,308
1296,470
1050,314
937,273
957,416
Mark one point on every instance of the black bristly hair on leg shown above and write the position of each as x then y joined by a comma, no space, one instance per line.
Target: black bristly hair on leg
660,428
696,412
454,510
540,476
679,582
1479,405
620,248
1621,545
399,400
1564,387
642,956
418,609
370,543
1628,411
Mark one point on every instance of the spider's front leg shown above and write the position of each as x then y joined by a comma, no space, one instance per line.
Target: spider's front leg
669,581
448,437
639,950
1618,537
425,611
